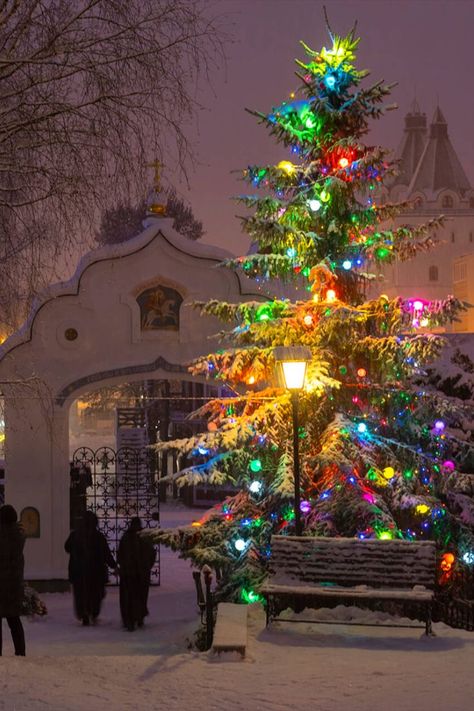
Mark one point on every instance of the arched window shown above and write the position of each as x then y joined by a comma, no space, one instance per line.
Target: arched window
418,203
433,273
447,201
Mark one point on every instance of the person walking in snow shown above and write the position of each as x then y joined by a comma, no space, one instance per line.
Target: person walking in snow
136,555
89,558
12,542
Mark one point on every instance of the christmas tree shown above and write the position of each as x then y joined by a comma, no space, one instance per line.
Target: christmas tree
378,456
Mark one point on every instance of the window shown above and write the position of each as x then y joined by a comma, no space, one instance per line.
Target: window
418,203
460,271
471,202
433,273
447,201
453,238
470,236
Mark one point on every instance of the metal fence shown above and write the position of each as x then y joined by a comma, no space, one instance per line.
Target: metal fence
116,486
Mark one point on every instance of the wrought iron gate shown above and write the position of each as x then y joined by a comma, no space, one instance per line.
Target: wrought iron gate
116,485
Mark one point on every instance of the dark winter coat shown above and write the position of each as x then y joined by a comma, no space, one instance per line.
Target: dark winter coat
136,555
89,556
12,565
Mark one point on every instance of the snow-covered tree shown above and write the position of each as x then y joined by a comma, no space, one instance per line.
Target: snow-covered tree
379,454
124,221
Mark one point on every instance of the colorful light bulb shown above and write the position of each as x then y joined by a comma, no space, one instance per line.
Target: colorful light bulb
255,487
330,82
287,167
255,465
422,509
314,205
362,428
240,544
343,163
331,295
305,507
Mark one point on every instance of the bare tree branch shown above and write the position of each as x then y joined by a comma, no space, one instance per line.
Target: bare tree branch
90,91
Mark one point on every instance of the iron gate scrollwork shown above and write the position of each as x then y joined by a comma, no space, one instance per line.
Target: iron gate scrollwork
116,486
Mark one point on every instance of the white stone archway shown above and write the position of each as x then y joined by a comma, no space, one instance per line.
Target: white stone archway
92,331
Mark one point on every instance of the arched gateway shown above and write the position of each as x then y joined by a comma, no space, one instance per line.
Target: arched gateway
124,316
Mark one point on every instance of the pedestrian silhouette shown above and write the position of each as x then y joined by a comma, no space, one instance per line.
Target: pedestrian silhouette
136,555
12,542
89,558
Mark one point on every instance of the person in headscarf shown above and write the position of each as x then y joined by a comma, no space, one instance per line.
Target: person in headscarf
89,558
12,564
136,556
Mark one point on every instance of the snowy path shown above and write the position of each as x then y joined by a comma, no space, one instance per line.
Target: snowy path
324,667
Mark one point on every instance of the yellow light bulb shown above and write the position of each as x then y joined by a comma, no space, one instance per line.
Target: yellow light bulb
331,295
251,380
308,320
388,472
422,509
287,167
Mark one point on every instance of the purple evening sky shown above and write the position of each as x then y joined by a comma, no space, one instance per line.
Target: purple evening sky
424,45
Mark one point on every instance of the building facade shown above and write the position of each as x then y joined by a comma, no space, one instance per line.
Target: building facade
433,179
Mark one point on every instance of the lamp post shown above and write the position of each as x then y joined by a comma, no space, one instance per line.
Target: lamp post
293,361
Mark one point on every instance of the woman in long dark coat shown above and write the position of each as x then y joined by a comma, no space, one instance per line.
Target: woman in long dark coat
89,558
12,542
136,555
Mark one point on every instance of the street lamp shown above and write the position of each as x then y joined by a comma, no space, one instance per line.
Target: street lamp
292,362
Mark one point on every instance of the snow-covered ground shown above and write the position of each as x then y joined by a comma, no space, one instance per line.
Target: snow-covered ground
316,667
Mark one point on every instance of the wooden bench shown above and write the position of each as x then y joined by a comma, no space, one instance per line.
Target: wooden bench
230,631
376,574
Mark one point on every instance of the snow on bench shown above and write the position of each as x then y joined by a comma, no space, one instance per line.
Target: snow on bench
307,572
230,632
